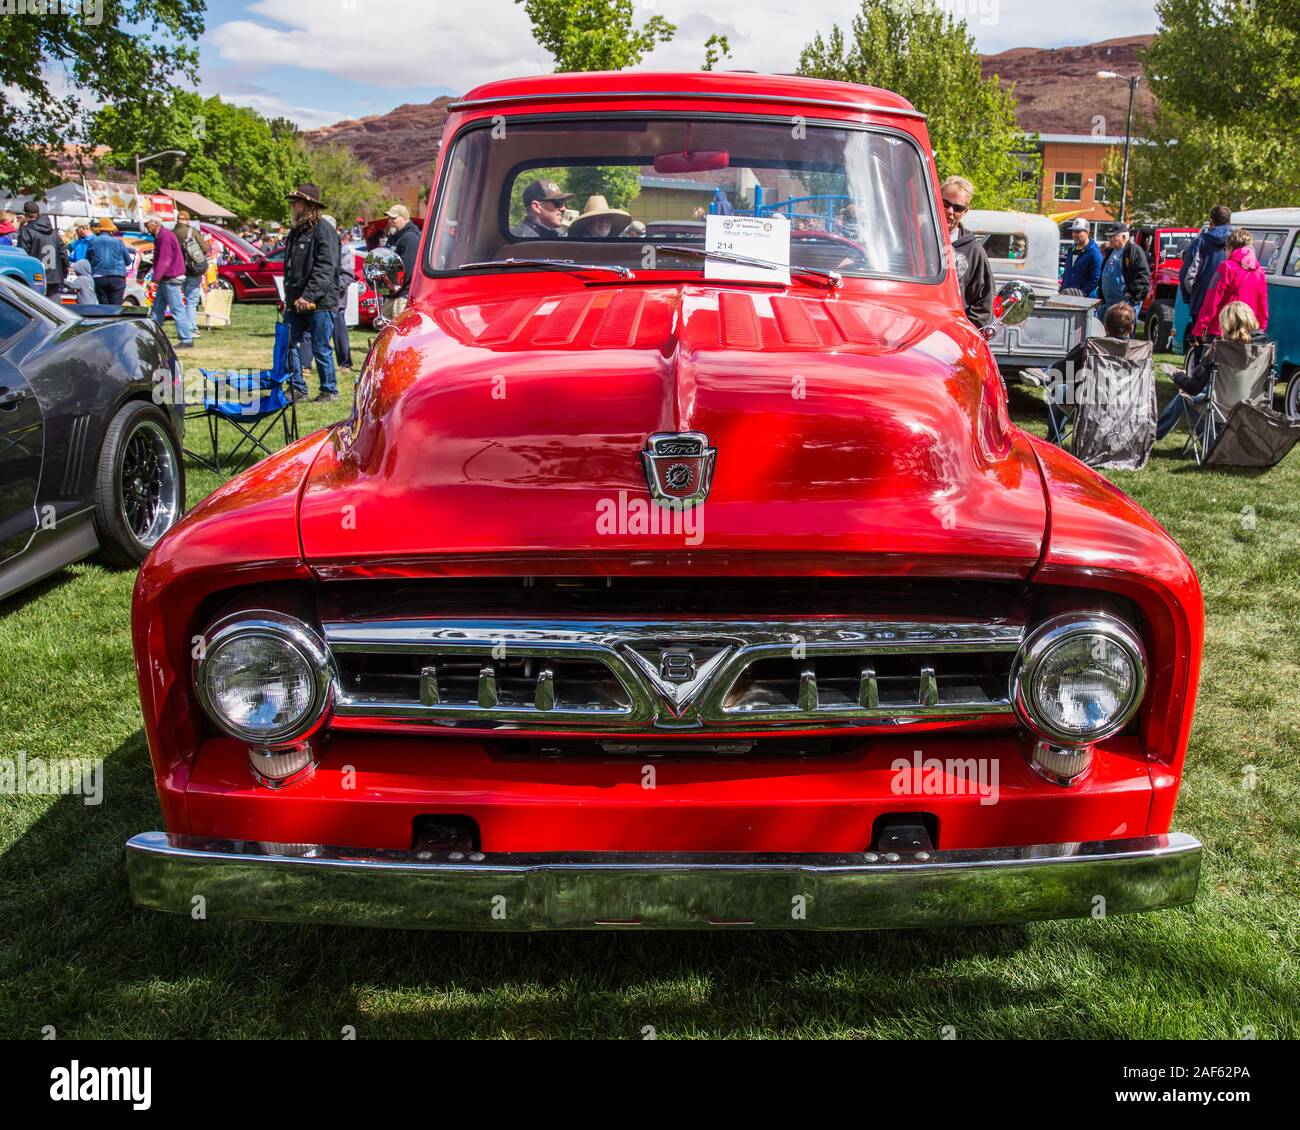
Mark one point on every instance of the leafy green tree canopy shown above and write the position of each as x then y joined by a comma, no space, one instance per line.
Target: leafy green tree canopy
922,53
112,51
232,154
1226,128
594,35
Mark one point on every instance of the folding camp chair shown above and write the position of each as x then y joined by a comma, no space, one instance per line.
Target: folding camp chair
1115,404
1104,412
253,403
1243,371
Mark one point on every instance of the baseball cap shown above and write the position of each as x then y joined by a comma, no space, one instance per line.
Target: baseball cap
1079,225
398,211
1117,229
545,190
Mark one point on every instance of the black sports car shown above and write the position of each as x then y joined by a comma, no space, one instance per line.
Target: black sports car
88,459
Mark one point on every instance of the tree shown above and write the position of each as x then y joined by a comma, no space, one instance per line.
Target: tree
619,184
348,185
594,35
232,156
716,48
1226,129
112,51
922,53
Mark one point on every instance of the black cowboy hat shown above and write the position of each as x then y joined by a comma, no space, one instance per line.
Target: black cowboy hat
308,194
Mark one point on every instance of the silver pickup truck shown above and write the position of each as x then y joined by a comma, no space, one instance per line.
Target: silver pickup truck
1026,247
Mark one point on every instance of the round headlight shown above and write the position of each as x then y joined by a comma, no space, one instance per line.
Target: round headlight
1079,678
264,680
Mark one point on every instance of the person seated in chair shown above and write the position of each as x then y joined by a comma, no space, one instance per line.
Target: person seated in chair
1062,375
1237,322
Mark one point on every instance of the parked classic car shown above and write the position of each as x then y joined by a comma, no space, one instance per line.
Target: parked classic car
1023,246
88,460
22,268
251,274
1164,248
650,586
1277,243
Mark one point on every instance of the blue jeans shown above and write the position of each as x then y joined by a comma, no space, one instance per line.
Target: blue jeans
320,325
1173,412
169,295
193,290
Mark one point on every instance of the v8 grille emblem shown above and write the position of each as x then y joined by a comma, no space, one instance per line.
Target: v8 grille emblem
678,672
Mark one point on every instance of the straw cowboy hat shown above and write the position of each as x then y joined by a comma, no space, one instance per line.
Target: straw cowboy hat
105,225
598,206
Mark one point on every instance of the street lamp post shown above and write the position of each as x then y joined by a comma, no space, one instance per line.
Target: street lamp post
145,160
1133,81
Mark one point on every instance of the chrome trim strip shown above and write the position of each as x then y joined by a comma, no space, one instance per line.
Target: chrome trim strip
692,95
619,644
673,891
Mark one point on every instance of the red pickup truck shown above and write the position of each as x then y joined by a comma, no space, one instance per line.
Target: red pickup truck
1164,248
675,583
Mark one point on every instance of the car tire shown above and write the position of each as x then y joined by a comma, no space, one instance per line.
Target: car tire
1291,398
1160,326
139,483
223,284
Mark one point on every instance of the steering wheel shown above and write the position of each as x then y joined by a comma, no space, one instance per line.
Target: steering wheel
851,247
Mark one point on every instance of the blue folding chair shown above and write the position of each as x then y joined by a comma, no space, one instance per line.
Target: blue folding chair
252,403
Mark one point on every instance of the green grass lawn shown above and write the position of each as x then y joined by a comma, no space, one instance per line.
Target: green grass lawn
75,955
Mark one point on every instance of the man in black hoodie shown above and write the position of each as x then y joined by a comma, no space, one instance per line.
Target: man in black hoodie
974,275
39,239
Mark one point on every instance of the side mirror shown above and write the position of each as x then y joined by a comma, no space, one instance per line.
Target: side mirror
1013,303
384,271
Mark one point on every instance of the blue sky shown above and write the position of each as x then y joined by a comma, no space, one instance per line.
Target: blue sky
321,61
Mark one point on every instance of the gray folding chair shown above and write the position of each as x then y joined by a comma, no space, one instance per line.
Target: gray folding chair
1243,372
1112,422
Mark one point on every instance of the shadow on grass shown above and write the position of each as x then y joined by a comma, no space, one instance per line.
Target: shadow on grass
16,602
75,954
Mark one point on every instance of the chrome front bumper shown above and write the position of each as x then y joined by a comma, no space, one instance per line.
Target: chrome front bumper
585,891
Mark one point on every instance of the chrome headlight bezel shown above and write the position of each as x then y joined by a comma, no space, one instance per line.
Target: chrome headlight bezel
288,631
1043,640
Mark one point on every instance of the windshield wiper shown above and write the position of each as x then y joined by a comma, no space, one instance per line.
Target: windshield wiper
567,265
832,279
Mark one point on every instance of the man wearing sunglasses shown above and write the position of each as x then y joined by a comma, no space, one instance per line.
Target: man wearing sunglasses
543,212
974,275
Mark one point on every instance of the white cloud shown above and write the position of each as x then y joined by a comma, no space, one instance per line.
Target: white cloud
405,43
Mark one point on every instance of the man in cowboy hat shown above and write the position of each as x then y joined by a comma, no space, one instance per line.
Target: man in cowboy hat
40,240
110,260
599,221
311,288
543,211
404,238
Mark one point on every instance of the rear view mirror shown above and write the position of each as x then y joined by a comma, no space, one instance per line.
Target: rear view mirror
692,161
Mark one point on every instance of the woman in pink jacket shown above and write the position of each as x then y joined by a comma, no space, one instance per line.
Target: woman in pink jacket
1240,278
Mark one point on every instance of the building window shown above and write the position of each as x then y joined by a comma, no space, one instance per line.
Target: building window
1106,190
1067,186
1028,178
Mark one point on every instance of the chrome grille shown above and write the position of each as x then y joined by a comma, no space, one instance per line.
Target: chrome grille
677,674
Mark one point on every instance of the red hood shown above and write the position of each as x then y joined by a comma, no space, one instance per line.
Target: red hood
844,425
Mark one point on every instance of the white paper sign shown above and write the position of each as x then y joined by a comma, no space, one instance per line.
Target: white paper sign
757,237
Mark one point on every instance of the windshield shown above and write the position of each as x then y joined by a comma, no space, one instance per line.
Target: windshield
237,241
608,190
1173,244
